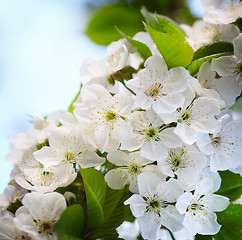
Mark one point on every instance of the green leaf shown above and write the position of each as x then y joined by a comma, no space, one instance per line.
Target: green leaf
115,213
214,48
195,65
231,185
175,52
230,219
71,107
101,27
203,237
95,189
71,224
142,49
237,107
166,26
231,229
163,22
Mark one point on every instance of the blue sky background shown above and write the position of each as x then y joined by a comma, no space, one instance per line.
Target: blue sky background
42,48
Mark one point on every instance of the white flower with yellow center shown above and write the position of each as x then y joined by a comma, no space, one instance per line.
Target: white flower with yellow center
39,213
154,205
10,198
159,88
151,135
230,67
222,89
224,145
185,163
202,33
67,146
199,209
129,166
8,230
104,116
221,11
194,117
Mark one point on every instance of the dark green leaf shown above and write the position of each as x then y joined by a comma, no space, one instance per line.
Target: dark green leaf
231,229
175,52
142,49
195,65
115,213
101,27
230,219
231,185
95,189
71,107
225,234
203,237
70,226
214,48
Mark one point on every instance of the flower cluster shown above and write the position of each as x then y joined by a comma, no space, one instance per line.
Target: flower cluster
159,128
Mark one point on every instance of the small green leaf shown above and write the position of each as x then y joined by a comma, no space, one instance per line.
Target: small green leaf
237,107
231,185
168,27
142,49
71,224
214,48
195,65
71,107
95,189
101,27
157,20
175,52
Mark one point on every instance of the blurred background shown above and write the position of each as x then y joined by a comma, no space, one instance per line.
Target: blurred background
42,46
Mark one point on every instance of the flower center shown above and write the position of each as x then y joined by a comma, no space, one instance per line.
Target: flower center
176,157
155,90
195,207
70,157
134,170
153,205
110,116
47,178
185,116
217,140
44,227
150,132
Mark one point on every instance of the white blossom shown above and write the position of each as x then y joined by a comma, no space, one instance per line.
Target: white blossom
67,146
184,162
224,145
202,33
199,209
159,88
8,230
104,116
10,198
38,214
229,67
221,11
151,135
154,205
222,89
196,116
129,166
